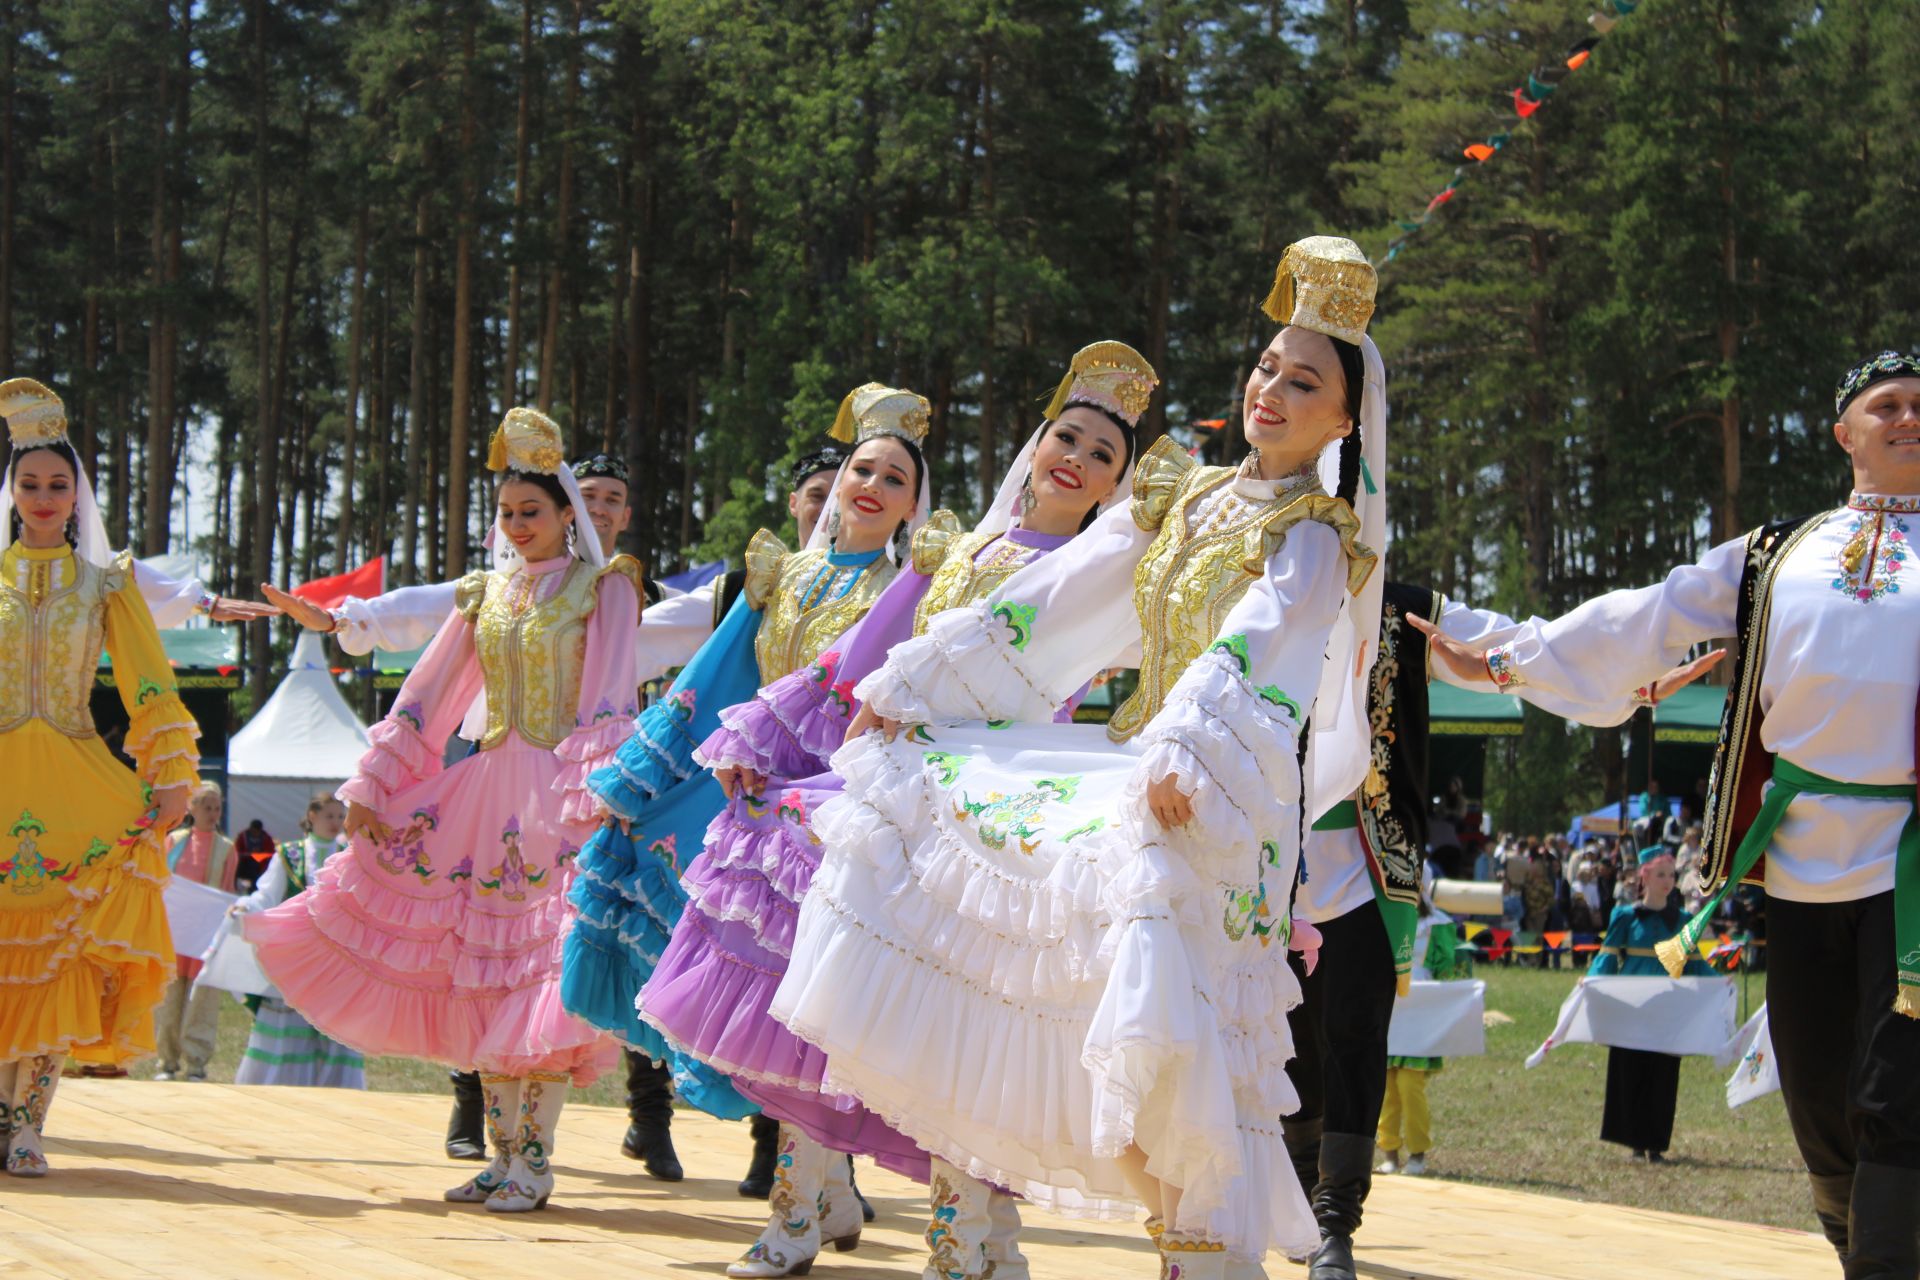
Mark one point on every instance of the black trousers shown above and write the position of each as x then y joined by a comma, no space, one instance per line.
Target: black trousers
1643,1088
1849,1065
1339,1028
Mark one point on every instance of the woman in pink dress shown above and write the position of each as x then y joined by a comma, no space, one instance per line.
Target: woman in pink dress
437,932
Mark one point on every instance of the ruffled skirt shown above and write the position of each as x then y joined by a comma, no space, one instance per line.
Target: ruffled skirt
85,952
1000,956
284,1048
443,940
710,994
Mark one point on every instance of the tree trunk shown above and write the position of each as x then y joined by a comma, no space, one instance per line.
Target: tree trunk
10,32
454,560
266,455
416,394
522,129
1727,516
343,542
562,215
640,532
989,426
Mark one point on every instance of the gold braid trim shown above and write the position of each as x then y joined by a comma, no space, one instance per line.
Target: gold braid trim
1265,539
629,568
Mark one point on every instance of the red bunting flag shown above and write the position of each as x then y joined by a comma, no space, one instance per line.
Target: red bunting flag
1440,199
367,581
1524,105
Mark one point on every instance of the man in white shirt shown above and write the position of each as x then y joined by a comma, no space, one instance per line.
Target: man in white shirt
1815,773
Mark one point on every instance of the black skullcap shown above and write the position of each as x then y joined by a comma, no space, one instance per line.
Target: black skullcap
601,465
812,464
1879,368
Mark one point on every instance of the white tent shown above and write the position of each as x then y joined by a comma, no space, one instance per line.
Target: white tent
305,739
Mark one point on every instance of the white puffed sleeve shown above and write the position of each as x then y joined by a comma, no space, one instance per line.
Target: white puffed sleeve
1624,639
396,621
170,601
1028,647
672,631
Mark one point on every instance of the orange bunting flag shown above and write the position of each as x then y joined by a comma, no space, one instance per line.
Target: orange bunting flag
1479,151
1577,55
1524,105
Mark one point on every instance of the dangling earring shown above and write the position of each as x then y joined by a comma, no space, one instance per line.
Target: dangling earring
1027,501
570,537
898,544
833,528
73,531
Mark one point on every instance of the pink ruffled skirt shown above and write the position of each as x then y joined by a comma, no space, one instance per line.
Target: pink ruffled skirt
443,940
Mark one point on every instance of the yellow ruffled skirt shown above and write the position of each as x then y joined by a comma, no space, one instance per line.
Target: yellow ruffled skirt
85,953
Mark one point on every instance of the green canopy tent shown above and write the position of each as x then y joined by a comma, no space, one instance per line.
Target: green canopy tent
204,667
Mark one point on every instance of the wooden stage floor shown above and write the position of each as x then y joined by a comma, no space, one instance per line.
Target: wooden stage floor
207,1180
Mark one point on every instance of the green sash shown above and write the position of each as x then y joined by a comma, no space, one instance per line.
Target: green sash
1789,781
1401,918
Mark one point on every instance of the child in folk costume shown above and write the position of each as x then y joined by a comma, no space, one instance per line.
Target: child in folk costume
710,993
437,932
283,1047
629,895
187,1023
1048,959
85,953
1406,1123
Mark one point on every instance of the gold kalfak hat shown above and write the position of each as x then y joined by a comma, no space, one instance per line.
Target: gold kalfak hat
1110,374
1326,284
528,441
875,410
35,416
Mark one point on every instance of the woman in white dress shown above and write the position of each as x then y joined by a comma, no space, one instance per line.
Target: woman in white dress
1048,958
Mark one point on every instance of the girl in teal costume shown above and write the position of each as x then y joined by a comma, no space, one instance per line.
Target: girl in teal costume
627,890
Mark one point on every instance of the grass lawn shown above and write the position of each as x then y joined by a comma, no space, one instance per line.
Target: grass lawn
1494,1121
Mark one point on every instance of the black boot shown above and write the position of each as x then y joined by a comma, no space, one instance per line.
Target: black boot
1346,1175
1303,1149
758,1184
650,1107
1832,1201
866,1210
1883,1229
467,1129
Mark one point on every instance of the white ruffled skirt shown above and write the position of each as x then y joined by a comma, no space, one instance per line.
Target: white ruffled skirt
1009,960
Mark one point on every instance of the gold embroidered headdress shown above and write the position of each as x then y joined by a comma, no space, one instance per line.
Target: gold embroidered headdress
1110,374
35,416
1326,284
527,441
874,410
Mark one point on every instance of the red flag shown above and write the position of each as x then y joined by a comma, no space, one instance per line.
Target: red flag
1440,199
369,580
1523,104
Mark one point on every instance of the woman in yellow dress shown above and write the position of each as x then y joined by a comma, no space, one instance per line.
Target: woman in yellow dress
85,954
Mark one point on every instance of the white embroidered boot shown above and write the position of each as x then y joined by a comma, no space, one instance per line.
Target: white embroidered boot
961,1222
1004,1259
791,1240
500,1100
841,1216
32,1094
1189,1257
529,1174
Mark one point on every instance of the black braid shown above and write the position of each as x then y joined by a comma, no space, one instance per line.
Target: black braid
1350,466
1353,365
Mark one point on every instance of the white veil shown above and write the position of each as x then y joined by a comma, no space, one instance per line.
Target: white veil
91,541
1005,507
820,539
586,542
1342,732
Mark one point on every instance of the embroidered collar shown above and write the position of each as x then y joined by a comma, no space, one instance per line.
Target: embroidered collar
1905,504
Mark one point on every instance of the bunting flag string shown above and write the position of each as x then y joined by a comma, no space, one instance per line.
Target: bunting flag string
1542,82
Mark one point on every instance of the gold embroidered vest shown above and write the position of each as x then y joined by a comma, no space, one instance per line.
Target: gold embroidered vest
1190,579
806,601
53,608
959,572
532,650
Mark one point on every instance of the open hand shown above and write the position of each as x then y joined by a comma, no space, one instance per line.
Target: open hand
364,820
1463,661
738,780
307,614
868,720
228,609
1170,806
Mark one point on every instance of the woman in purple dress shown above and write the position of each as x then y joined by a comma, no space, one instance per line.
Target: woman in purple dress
710,993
